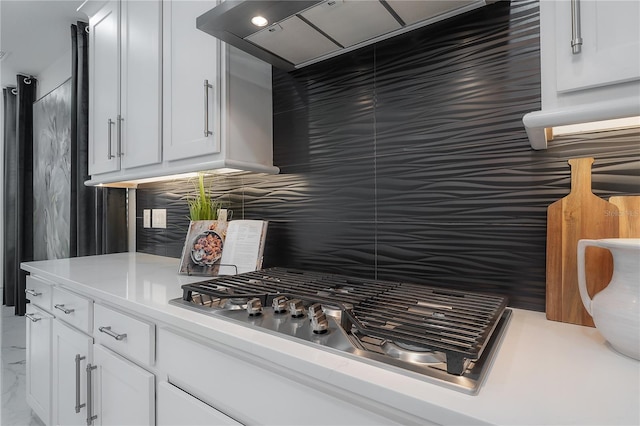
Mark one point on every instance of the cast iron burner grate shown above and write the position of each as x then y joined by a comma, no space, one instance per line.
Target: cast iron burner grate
455,323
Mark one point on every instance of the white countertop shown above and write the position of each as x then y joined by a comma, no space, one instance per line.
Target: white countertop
545,372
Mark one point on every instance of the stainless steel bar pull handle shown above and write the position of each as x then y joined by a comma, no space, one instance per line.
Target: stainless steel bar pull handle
576,36
120,120
207,86
78,405
32,318
109,153
32,292
107,330
90,416
63,309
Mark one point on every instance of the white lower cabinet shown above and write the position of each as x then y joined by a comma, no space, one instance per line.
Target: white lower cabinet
94,386
176,407
72,351
38,362
253,392
122,392
71,380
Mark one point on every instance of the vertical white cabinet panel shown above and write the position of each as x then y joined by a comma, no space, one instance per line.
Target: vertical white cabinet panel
247,110
69,377
610,54
176,407
123,393
191,60
38,361
141,84
104,88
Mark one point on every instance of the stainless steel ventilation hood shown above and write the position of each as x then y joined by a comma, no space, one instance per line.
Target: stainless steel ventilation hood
299,33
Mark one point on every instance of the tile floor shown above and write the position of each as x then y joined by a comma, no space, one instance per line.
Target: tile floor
14,410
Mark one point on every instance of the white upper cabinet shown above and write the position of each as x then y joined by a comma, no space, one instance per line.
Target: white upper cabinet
191,83
167,98
217,100
610,50
600,80
125,86
104,98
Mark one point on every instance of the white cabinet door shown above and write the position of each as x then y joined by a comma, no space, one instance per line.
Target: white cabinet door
191,58
611,44
104,89
71,354
252,392
38,362
141,85
176,407
123,393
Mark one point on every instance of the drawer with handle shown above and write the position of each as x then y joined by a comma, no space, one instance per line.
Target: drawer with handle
127,335
73,309
39,292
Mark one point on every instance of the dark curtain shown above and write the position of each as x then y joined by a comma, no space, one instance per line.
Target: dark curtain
98,215
18,202
10,191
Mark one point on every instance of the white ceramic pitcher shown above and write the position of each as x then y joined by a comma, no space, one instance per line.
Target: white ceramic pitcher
616,309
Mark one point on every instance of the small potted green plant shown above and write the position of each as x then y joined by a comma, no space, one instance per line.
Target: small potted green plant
203,206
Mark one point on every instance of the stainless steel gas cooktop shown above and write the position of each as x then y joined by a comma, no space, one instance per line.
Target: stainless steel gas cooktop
443,336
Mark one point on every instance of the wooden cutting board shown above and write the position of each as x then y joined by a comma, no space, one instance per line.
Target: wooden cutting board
628,215
579,215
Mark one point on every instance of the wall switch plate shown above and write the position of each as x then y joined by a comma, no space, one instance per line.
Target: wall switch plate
159,218
146,218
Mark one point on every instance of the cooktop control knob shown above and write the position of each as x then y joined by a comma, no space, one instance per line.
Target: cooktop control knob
279,304
314,310
254,307
319,323
296,308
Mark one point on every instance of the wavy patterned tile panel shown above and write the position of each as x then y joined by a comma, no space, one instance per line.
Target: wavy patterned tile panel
495,257
464,90
407,160
500,187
